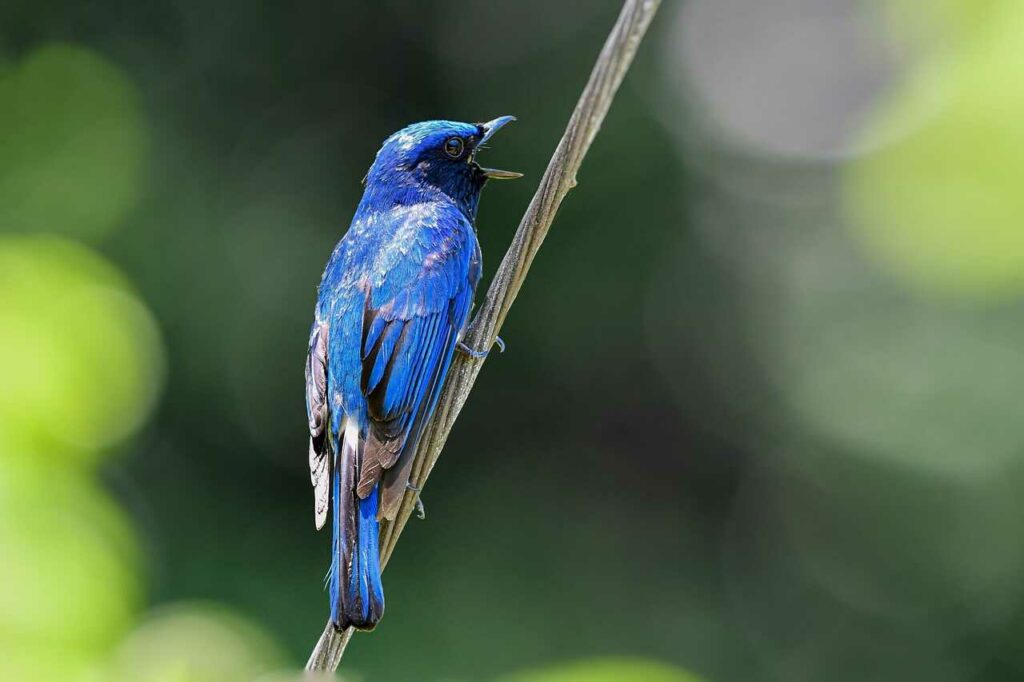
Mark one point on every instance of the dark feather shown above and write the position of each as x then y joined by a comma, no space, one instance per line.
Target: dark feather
316,411
401,389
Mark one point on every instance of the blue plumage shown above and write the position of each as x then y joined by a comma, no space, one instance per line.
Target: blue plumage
394,299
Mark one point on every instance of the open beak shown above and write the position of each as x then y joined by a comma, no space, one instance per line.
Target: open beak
498,174
490,128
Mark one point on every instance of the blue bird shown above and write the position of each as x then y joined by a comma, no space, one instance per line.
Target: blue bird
393,303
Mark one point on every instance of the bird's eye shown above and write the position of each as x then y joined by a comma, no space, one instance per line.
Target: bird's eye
454,146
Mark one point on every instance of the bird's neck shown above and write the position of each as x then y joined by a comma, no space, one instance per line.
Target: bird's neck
393,189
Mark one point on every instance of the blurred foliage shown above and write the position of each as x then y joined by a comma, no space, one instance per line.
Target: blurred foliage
605,670
80,356
82,364
940,205
935,25
757,418
80,359
75,556
71,158
195,643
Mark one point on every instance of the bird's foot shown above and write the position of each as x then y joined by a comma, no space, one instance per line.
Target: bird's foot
421,512
481,354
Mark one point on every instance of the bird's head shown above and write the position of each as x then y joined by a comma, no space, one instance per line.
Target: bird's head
439,155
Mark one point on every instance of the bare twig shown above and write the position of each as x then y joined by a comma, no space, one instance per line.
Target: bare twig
560,176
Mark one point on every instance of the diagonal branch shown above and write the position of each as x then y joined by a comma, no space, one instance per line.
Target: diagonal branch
560,177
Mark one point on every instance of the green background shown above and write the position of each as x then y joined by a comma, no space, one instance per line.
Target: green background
760,414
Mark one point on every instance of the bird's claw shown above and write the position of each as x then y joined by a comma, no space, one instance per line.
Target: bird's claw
472,352
421,512
481,354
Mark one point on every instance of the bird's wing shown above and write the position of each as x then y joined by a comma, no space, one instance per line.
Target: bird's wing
316,411
411,325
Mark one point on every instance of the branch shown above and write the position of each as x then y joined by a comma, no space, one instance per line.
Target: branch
560,177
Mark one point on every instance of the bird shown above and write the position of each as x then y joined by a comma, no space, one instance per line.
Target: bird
392,307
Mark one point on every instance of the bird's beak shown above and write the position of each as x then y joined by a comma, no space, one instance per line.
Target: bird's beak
490,128
498,174
494,126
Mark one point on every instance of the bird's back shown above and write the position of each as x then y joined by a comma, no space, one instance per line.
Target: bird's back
410,259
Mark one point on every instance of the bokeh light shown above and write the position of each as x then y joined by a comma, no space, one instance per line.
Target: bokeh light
940,208
779,77
80,356
81,361
921,391
39,661
196,643
74,143
69,581
605,670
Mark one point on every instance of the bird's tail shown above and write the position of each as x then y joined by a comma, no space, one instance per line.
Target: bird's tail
357,595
